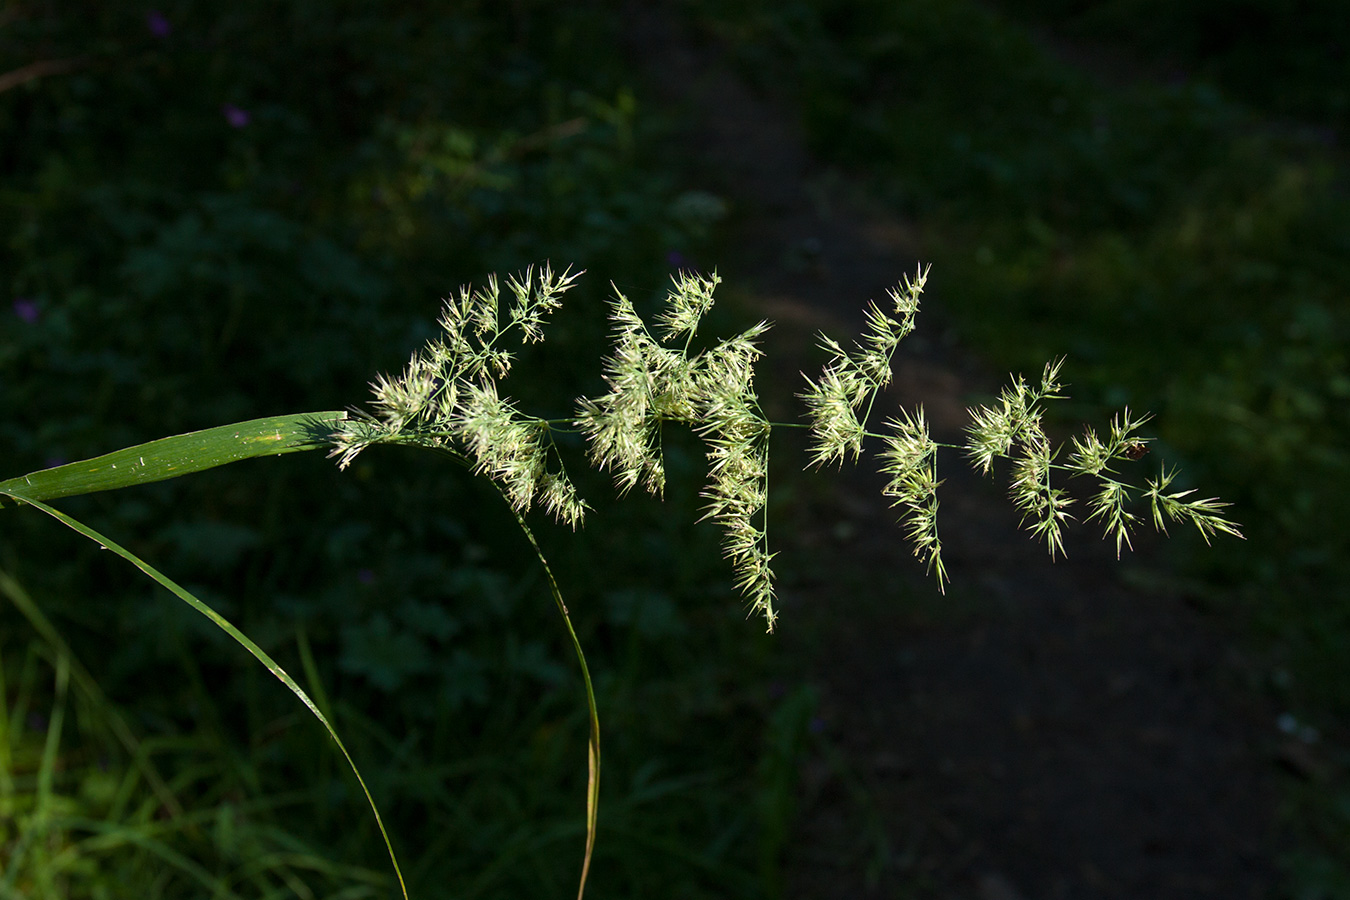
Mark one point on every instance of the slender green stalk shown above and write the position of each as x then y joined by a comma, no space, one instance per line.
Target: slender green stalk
593,750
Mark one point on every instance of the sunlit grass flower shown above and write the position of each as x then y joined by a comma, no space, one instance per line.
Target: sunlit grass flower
449,397
910,461
839,401
651,384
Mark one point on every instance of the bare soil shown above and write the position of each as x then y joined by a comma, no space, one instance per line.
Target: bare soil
1046,729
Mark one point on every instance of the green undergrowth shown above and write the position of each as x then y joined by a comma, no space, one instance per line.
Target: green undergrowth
1158,191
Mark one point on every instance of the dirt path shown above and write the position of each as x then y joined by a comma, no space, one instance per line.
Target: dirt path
1044,731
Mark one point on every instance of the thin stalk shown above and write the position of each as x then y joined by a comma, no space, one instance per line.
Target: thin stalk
593,754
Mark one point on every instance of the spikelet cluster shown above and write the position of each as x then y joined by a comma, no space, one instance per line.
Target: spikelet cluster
839,401
838,405
654,380
448,396
1012,430
910,462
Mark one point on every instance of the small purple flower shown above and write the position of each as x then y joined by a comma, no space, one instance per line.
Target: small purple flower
159,26
26,309
237,117
817,725
676,259
365,576
52,462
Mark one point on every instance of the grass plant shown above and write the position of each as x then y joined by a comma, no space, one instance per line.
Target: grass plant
199,231
449,400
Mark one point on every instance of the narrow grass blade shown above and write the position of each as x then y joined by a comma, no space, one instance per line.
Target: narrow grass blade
30,841
112,835
593,752
85,683
181,454
238,636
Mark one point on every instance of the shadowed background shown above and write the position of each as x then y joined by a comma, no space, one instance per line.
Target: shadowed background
213,214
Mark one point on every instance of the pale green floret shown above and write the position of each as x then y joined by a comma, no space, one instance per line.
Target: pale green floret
1109,506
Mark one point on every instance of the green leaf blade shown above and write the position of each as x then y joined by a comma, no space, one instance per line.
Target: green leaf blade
181,454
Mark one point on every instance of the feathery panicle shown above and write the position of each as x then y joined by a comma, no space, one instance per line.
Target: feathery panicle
448,397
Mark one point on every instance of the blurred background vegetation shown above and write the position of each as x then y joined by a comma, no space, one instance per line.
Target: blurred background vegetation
215,212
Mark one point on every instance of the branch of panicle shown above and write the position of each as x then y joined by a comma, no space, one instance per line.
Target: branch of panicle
839,402
712,392
447,396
